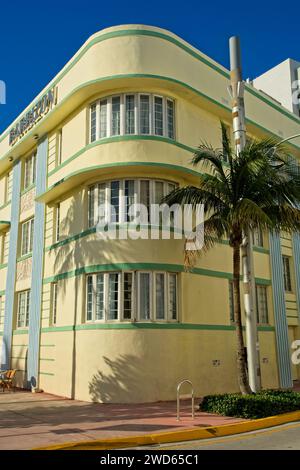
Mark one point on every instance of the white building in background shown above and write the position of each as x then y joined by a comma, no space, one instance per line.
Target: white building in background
282,83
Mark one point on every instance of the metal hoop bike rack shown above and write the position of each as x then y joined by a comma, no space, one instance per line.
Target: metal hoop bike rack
178,398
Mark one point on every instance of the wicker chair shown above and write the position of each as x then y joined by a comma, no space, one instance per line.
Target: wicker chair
8,380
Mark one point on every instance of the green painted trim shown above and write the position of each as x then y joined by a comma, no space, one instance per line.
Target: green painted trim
121,138
137,32
19,345
151,326
144,266
83,234
45,359
46,373
260,249
2,292
293,316
292,301
263,282
47,345
180,168
2,266
20,332
24,191
6,222
18,358
21,258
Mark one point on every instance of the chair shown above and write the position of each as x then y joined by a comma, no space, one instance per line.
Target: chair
8,380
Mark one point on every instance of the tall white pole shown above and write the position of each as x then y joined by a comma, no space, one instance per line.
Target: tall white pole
239,132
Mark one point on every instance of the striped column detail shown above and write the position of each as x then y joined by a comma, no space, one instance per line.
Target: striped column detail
37,267
281,326
11,267
296,255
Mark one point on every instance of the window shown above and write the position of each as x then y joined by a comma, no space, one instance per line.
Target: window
145,117
23,309
142,296
29,171
8,186
116,115
57,223
158,115
54,303
27,237
257,237
119,195
1,313
59,147
287,274
132,113
261,304
170,119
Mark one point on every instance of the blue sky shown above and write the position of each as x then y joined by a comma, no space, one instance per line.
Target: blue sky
37,38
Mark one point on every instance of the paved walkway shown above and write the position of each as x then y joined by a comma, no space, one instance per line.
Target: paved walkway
34,420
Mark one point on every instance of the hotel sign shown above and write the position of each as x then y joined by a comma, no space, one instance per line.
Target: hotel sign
35,114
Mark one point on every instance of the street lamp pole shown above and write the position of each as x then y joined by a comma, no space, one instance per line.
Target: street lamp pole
239,131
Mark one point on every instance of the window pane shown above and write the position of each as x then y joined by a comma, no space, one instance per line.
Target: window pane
261,304
91,208
145,197
170,118
114,200
129,114
102,202
57,234
113,296
128,293
158,192
144,114
144,295
31,223
115,129
100,297
173,296
89,309
21,309
93,123
103,119
129,198
25,238
160,296
158,115
287,274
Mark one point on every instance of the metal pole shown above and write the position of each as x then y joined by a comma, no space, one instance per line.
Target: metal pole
239,132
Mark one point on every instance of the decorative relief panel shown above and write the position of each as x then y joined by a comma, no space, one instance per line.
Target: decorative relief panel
27,201
24,269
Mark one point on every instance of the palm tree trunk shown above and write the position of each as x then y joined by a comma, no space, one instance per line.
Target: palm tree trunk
241,356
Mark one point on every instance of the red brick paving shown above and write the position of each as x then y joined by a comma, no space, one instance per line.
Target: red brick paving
34,420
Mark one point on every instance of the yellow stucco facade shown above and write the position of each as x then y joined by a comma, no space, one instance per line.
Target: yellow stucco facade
127,360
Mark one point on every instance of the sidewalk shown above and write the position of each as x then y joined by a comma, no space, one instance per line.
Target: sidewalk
35,420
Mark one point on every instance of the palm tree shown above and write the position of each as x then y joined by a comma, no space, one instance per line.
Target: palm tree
259,189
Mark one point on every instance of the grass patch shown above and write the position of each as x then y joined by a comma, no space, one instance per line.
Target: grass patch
260,405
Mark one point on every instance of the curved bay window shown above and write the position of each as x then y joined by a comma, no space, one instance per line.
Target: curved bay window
121,195
132,113
132,296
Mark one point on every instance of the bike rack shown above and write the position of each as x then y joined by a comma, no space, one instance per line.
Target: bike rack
178,398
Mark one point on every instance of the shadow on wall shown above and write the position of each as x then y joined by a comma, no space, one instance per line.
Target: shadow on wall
126,381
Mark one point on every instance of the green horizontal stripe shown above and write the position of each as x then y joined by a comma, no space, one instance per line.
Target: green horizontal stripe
154,326
22,258
46,373
5,204
20,332
2,266
27,189
45,359
47,345
144,266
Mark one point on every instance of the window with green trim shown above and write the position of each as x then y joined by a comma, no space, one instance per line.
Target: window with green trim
29,171
23,309
132,296
132,113
27,237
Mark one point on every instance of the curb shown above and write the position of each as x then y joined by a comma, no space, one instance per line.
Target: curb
177,436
